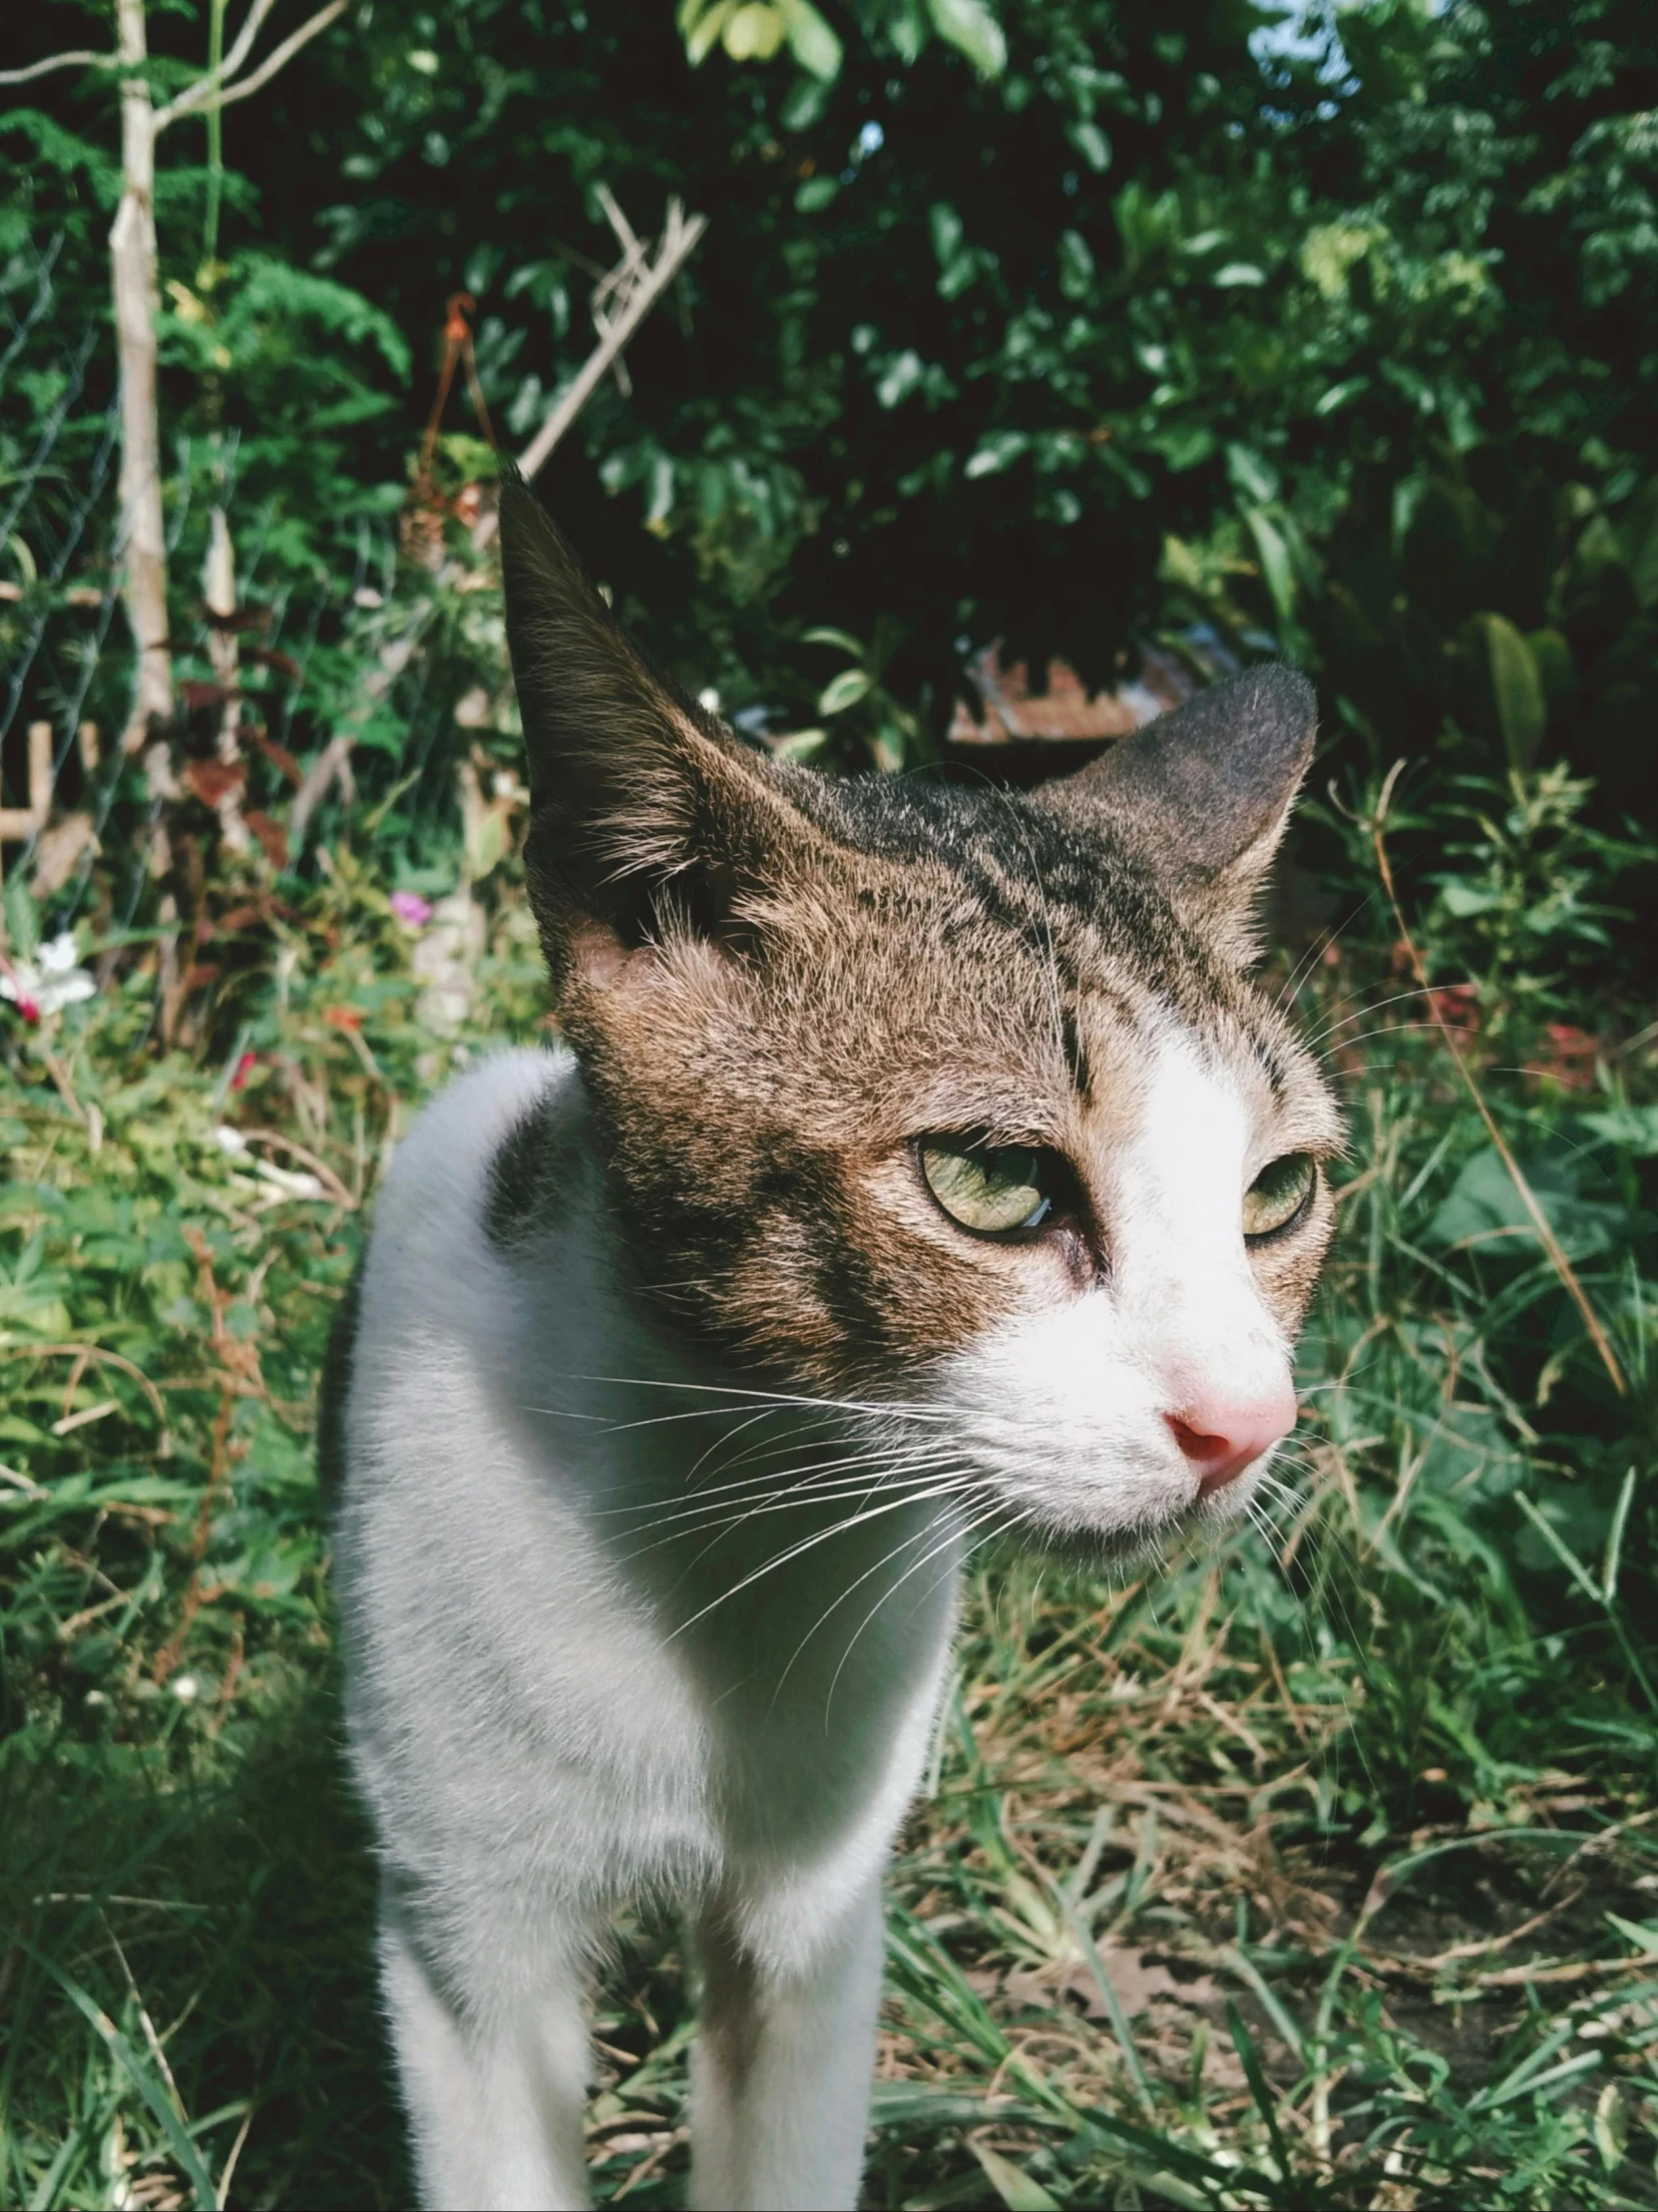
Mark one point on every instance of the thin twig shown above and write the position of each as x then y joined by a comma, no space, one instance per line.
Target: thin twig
243,43
677,245
318,1168
91,1351
79,60
203,97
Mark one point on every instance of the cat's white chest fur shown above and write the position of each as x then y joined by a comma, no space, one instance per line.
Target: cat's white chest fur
603,1643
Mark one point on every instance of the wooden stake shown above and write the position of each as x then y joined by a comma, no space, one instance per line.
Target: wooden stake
20,823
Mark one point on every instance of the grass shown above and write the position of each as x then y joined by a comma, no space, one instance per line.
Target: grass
1324,1871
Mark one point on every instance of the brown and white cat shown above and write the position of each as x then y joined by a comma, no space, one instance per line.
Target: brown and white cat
921,1163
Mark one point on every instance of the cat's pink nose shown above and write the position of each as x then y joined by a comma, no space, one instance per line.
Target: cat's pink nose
1222,1439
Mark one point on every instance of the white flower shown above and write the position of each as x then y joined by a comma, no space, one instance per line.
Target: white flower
48,982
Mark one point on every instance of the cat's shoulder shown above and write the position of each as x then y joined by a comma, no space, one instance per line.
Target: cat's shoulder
487,1160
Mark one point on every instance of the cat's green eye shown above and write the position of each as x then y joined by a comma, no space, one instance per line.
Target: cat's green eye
993,1189
1279,1195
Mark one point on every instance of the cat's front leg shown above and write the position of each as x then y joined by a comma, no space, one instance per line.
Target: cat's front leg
785,2053
495,2102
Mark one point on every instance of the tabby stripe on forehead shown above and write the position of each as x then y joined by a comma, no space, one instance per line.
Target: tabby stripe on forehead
1016,908
1076,1059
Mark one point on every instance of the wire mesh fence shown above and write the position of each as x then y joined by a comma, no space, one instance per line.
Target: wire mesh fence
306,688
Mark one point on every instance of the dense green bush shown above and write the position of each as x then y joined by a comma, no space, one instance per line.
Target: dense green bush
1353,350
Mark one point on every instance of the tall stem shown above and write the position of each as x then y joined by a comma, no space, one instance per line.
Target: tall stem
136,300
215,131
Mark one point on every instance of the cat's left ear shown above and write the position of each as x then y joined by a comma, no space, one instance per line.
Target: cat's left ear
646,813
1204,791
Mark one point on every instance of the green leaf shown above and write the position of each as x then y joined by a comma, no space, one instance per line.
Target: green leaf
1556,669
909,30
844,690
1075,265
1482,1207
813,45
1017,2191
945,227
1338,394
973,30
1611,2127
1092,144
1633,1128
816,192
1640,535
754,33
1259,2087
1274,555
486,845
1465,900
929,2107
1251,473
800,744
903,375
841,638
803,104
22,917
1516,690
996,452
701,27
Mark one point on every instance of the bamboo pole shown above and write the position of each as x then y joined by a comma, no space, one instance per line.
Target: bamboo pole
136,303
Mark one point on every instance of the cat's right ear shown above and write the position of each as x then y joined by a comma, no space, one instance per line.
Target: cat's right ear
632,788
1205,791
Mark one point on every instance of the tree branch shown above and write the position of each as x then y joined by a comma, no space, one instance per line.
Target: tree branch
243,43
59,61
196,95
678,241
203,97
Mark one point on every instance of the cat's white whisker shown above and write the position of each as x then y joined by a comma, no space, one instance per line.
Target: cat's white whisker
809,1544
1377,1005
878,1407
917,1535
998,1511
731,1513
858,1494
801,1474
1303,969
1390,1028
798,1427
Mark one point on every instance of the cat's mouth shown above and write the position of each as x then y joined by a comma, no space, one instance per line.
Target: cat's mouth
1155,1541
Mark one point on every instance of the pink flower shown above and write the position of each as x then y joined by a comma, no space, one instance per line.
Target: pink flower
244,1068
411,907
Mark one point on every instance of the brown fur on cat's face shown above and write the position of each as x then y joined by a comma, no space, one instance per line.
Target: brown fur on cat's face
778,984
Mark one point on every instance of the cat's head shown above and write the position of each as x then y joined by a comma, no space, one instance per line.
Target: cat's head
928,1093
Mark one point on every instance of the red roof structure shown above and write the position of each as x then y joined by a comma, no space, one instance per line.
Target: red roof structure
1021,736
